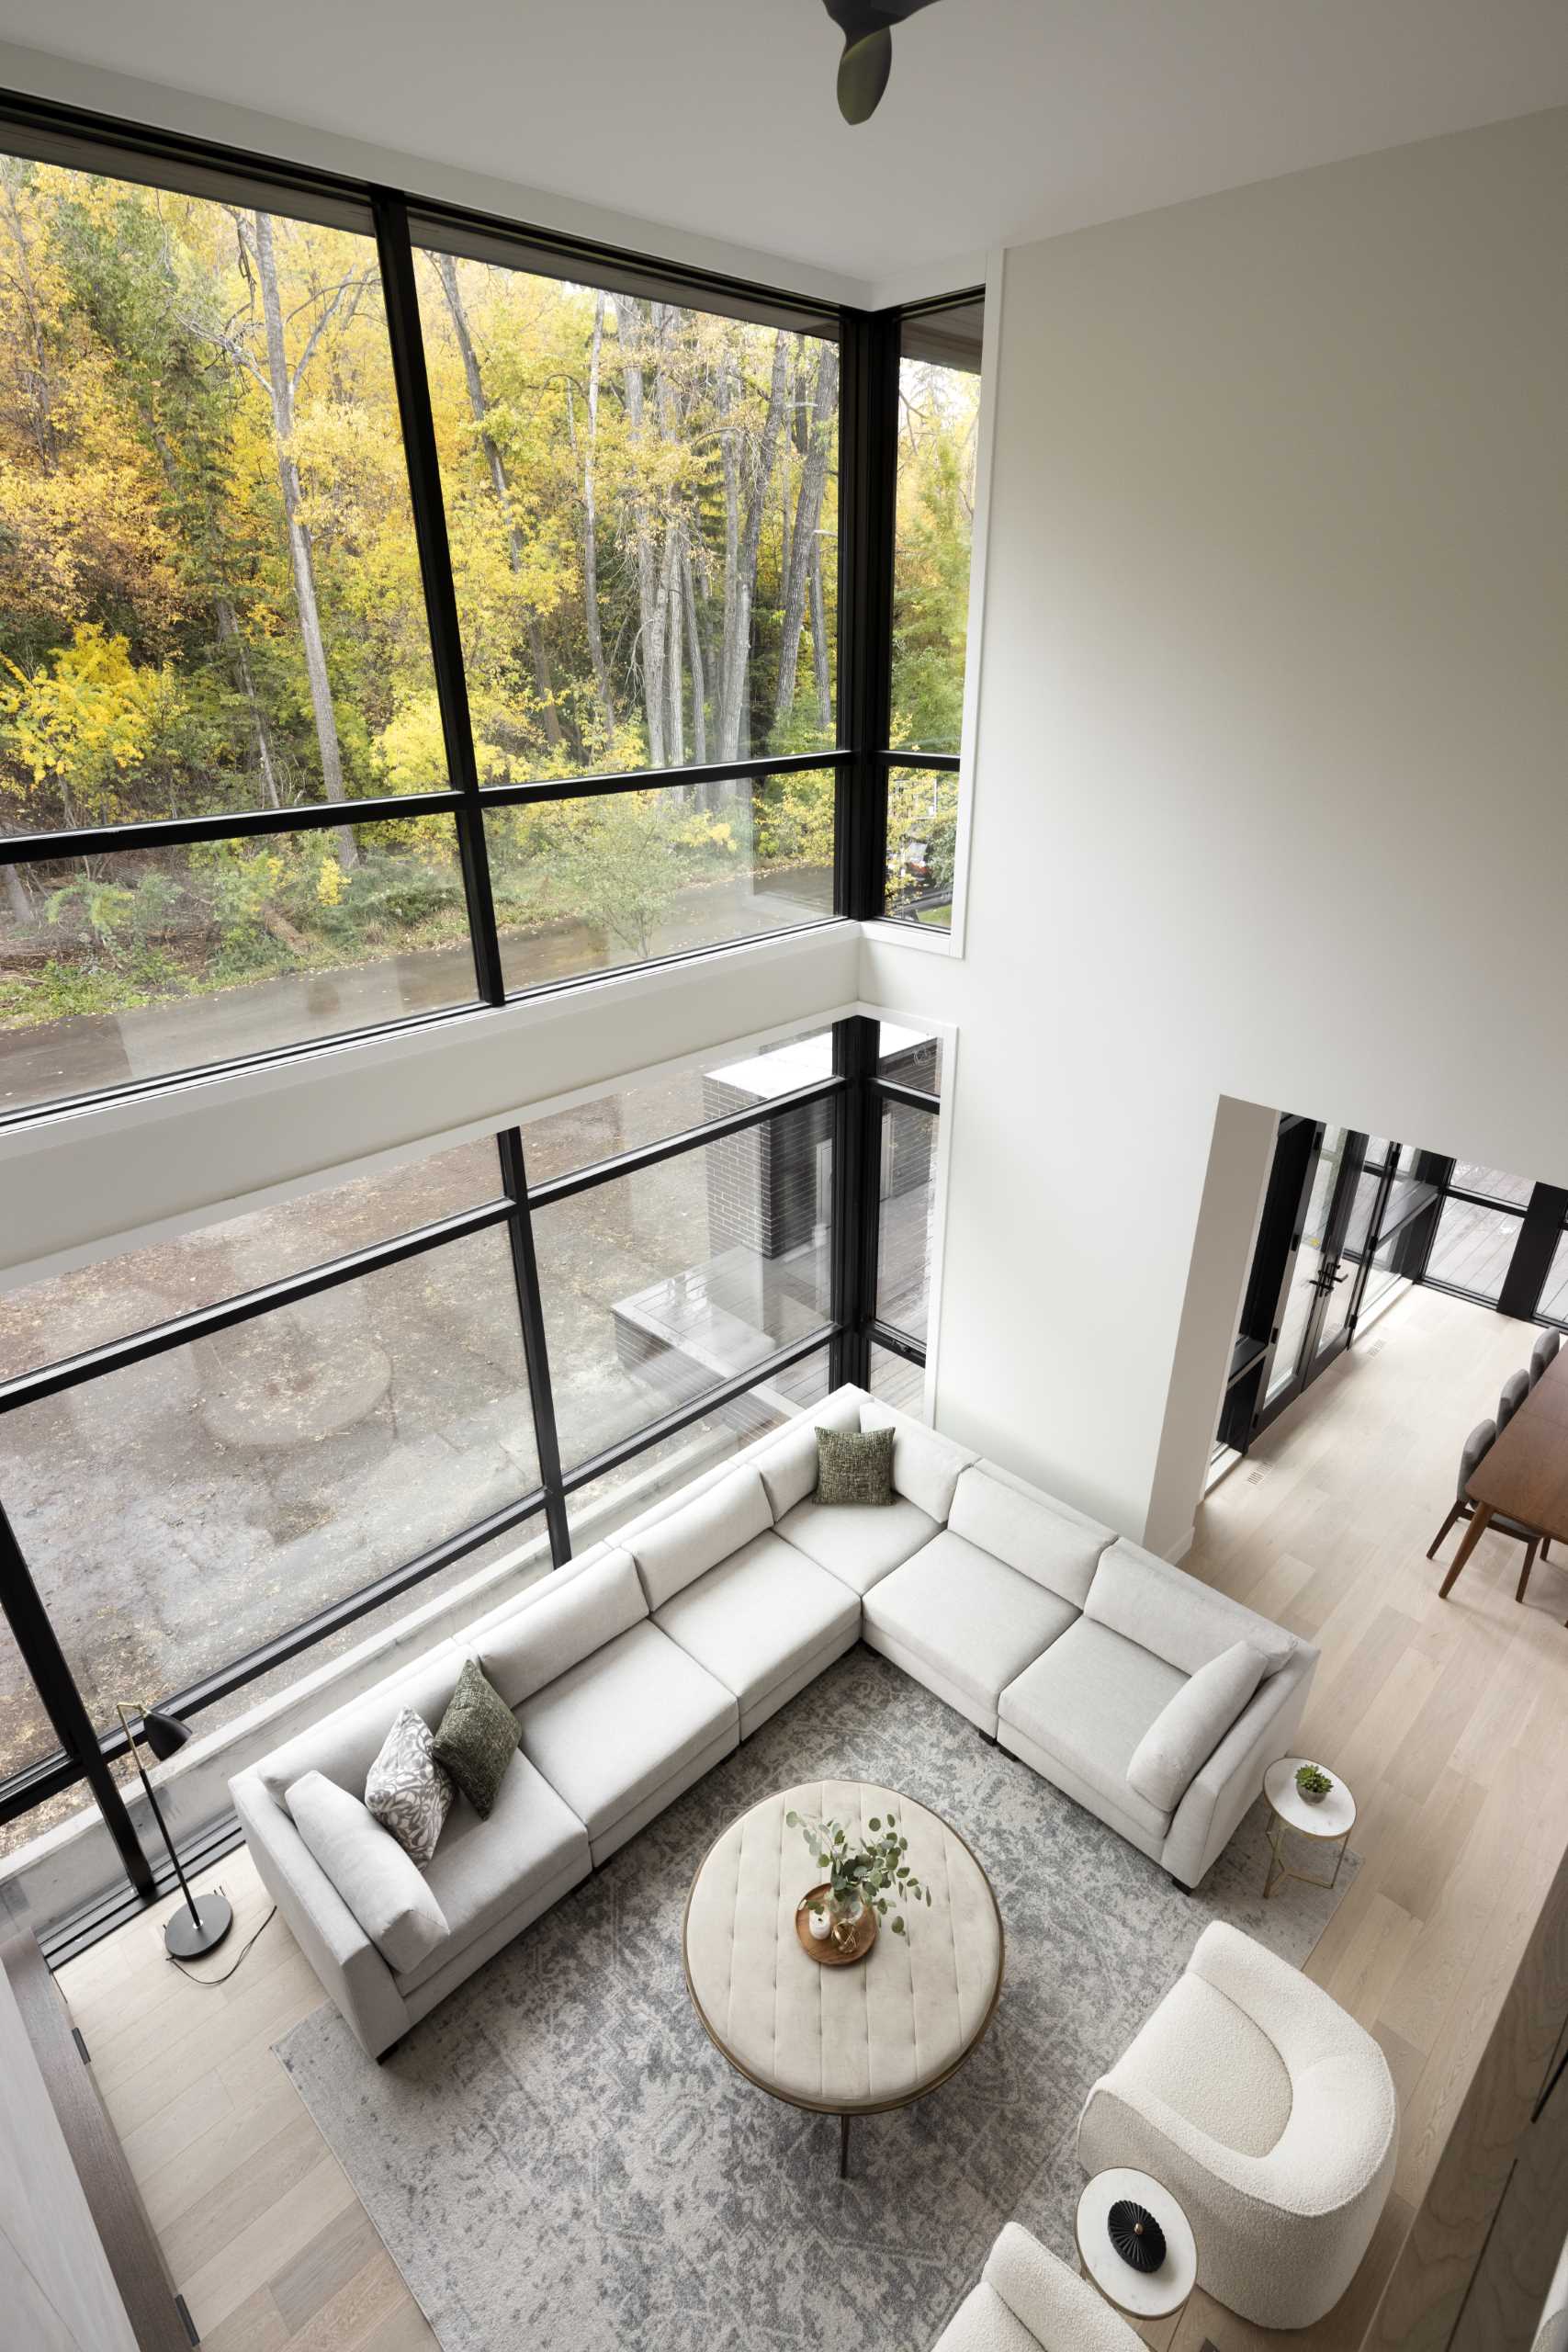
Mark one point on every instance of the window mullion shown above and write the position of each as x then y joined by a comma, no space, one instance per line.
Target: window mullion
536,1346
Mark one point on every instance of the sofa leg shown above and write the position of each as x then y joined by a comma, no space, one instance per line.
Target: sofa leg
988,1737
1181,1884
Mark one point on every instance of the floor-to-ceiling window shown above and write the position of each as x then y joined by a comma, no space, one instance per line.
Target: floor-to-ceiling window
399,614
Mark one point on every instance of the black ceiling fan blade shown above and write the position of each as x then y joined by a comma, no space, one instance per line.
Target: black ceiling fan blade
863,68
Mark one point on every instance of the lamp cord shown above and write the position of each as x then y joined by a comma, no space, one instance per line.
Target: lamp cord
228,1972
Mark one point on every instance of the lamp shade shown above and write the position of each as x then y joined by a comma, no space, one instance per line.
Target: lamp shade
163,1732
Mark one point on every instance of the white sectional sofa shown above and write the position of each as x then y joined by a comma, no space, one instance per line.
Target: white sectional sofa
636,1668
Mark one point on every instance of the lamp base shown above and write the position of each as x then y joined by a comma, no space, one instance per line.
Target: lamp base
185,1939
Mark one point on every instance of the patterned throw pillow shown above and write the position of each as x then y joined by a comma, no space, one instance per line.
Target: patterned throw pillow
477,1738
852,1467
407,1792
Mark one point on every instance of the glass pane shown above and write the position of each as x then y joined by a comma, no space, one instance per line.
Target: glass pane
898,1381
939,413
1554,1295
1308,1266
1472,1248
922,832
608,1502
27,1735
1494,1182
93,1305
588,886
642,502
909,1056
210,583
672,1280
529,1539
563,1141
908,1196
179,1512
142,963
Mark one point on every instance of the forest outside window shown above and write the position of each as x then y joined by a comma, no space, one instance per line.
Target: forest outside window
939,408
642,506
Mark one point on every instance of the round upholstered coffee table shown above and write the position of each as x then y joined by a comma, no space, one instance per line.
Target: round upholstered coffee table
843,2041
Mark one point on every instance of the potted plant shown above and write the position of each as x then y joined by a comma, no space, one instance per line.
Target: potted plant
1313,1785
862,1877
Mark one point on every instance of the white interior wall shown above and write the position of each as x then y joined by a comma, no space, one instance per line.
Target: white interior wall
1269,794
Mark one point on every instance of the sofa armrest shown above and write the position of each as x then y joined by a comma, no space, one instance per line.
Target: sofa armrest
351,1969
1232,1780
1063,2313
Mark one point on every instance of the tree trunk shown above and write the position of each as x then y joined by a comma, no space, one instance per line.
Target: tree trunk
16,897
694,642
590,528
446,271
740,575
821,674
631,321
228,635
280,385
804,544
675,724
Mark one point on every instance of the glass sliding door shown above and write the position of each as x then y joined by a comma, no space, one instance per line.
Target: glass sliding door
1314,1274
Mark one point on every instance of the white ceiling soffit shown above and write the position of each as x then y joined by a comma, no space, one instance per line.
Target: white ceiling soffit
1004,121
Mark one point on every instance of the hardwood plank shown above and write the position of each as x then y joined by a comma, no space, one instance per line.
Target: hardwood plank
257,2326
333,2256
273,2239
374,2294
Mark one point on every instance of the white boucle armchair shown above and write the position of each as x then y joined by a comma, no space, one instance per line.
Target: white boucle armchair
1271,2115
1027,2298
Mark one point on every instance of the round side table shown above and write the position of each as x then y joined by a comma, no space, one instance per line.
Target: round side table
1136,2294
1330,1823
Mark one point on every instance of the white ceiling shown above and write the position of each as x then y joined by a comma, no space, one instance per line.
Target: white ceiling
1005,119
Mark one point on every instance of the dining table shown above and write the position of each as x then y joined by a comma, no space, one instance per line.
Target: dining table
1524,1474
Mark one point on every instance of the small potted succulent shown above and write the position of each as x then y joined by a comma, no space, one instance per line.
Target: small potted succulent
861,1877
1313,1785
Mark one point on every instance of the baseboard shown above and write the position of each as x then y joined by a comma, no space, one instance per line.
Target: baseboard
1178,1551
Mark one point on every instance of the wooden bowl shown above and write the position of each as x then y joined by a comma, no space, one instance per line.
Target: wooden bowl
823,1949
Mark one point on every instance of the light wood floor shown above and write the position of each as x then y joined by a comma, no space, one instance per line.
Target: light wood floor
1450,1721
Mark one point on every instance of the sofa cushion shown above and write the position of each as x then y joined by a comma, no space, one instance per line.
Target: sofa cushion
406,1789
788,1470
611,1731
344,1746
478,1737
1187,1731
677,1549
1089,1702
757,1618
970,1617
925,1467
858,1546
558,1622
1164,1610
483,1869
381,1886
1056,1546
854,1467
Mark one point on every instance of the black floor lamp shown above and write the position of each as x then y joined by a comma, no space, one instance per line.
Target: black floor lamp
203,1924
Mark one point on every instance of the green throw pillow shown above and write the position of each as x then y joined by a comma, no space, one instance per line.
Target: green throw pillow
854,1468
477,1738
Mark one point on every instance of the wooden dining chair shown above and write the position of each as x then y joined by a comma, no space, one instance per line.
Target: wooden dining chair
1542,1354
1477,1447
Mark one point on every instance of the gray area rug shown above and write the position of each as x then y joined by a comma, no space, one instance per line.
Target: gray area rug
558,2155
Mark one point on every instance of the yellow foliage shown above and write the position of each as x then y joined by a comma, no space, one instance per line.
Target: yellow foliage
88,714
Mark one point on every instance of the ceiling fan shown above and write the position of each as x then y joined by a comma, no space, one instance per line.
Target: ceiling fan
867,26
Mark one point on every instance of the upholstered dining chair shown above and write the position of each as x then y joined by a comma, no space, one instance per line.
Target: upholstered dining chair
1542,1354
1515,1388
1270,2113
1477,1447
